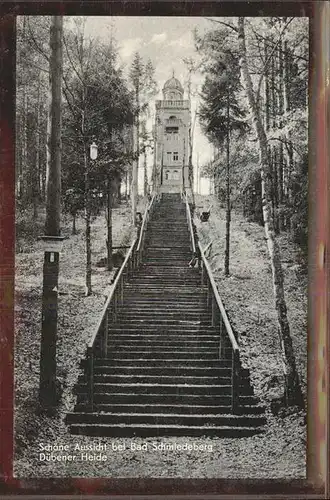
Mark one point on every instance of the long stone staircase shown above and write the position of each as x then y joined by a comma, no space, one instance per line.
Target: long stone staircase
162,374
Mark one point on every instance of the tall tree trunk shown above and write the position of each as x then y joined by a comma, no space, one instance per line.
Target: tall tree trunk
136,149
228,214
88,278
274,182
280,145
288,163
127,186
23,173
109,225
145,180
37,187
119,183
48,390
274,162
293,393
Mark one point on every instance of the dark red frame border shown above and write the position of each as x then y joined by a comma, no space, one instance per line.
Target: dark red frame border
315,486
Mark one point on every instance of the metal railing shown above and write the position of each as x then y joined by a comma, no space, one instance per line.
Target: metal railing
99,341
219,317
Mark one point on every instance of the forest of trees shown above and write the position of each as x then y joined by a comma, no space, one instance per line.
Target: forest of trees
101,104
277,55
254,111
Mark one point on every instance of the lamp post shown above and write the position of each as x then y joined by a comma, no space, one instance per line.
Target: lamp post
48,393
93,157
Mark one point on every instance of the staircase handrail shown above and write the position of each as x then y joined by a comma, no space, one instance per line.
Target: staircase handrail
222,323
144,223
191,231
222,310
112,292
131,262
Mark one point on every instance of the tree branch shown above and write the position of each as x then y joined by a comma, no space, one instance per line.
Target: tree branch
223,23
286,143
39,49
70,60
270,57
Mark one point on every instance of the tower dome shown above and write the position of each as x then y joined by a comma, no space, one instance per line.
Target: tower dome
173,89
173,84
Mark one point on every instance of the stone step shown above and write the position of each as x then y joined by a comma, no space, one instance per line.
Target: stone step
171,289
162,303
166,419
165,371
181,331
158,328
191,338
165,399
210,354
166,298
161,321
165,362
211,348
166,270
161,430
165,315
100,377
106,366
175,389
164,281
174,408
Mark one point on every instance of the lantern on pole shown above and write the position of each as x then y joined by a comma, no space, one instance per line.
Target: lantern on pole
93,151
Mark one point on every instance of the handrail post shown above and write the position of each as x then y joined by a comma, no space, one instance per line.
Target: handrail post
121,290
90,378
129,267
209,293
213,310
202,273
234,382
221,344
115,306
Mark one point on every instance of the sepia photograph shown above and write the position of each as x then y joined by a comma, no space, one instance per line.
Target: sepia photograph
161,267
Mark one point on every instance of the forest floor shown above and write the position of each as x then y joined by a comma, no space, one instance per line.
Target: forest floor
279,452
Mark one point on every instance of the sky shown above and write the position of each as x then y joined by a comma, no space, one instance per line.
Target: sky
166,41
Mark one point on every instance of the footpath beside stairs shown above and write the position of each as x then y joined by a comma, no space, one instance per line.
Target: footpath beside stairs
162,375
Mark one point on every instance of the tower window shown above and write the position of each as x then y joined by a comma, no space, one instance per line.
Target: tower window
175,156
169,156
172,130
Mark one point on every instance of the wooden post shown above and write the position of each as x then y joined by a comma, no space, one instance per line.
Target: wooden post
221,345
234,382
209,293
129,267
105,335
202,274
213,305
90,377
121,290
115,306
